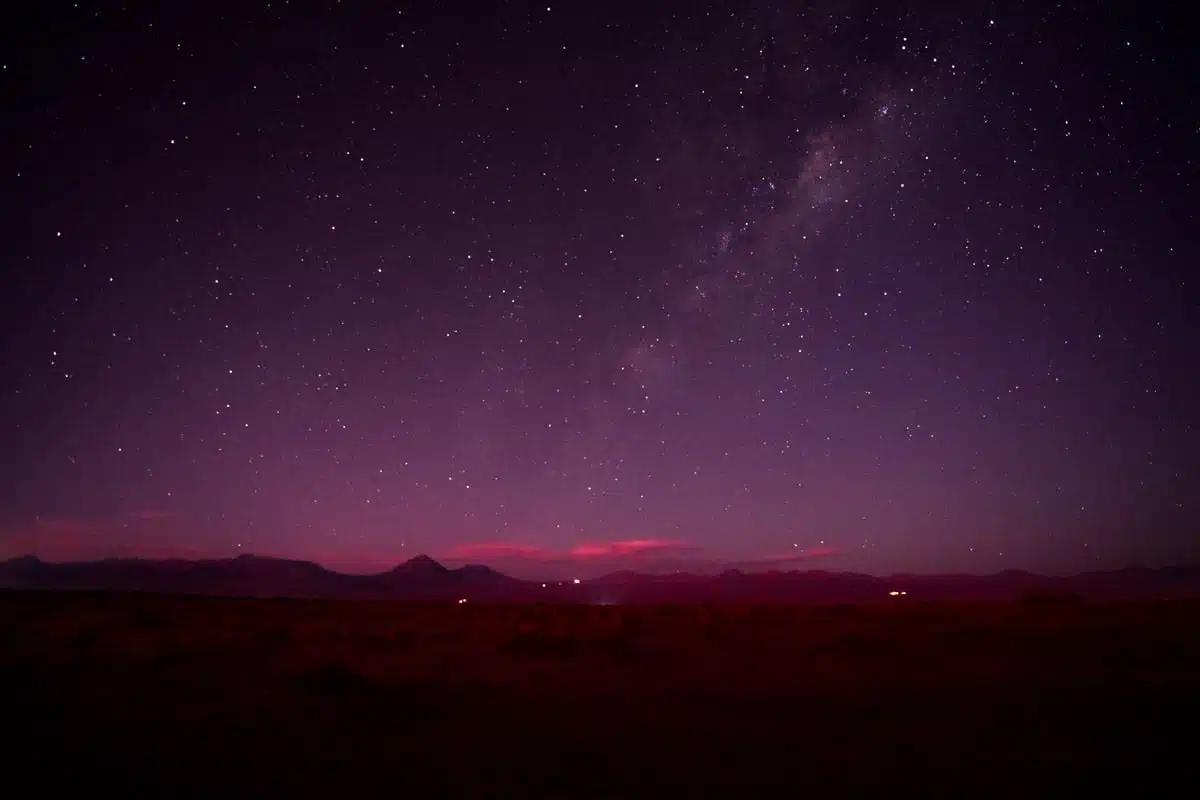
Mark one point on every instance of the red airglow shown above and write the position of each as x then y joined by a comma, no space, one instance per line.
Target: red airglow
589,550
627,547
504,550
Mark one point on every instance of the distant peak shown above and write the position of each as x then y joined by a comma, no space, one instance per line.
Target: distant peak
421,563
475,568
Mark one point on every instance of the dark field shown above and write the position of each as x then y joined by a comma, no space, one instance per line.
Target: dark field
210,697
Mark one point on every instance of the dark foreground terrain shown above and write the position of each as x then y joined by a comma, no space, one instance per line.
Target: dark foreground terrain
179,696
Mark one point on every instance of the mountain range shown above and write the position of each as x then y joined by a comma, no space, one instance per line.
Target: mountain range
423,578
255,576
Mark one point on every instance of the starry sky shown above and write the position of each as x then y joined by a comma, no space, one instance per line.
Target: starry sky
584,286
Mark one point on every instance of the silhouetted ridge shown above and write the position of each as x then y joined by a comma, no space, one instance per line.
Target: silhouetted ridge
422,578
420,565
475,573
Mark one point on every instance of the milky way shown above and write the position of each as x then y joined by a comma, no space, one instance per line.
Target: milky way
571,289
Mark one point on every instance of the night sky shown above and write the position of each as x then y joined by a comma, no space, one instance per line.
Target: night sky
579,286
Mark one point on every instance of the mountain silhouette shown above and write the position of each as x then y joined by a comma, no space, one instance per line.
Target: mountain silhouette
253,576
424,579
421,566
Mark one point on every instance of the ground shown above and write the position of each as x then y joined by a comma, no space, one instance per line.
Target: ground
182,697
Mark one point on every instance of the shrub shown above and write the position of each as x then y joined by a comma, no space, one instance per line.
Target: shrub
145,619
85,640
542,644
276,638
333,679
1049,599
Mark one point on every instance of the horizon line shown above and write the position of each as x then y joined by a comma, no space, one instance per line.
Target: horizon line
723,567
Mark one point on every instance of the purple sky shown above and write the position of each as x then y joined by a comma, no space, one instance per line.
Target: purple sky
600,285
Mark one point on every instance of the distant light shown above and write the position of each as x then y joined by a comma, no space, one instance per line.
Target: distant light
895,593
462,600
577,580
543,586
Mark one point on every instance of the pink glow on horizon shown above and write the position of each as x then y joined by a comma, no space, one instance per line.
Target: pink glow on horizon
590,550
629,547
486,550
150,533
